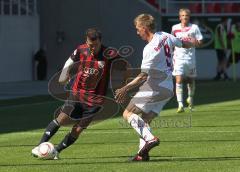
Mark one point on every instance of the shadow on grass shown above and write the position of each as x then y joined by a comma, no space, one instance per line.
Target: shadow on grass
124,142
25,114
186,159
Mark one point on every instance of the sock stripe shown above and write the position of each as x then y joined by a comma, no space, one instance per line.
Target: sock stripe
56,122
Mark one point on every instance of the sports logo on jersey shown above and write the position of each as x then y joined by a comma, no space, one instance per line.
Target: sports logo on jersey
90,71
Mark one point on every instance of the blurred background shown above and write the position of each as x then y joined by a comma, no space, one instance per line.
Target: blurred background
37,36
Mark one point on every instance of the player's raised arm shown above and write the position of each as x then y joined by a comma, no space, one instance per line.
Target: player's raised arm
65,71
64,77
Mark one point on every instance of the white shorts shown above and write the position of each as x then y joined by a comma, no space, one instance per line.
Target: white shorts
184,67
150,99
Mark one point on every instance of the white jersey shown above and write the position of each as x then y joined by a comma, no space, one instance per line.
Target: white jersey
192,30
157,54
157,63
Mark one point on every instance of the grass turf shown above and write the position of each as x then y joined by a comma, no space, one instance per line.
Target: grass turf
207,139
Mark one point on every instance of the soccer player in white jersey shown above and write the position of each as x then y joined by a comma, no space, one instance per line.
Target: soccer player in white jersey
184,60
155,80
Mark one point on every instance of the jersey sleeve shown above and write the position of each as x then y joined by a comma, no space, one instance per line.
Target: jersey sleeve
198,34
75,55
147,61
176,41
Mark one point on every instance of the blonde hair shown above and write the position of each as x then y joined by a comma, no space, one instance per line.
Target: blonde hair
186,10
145,20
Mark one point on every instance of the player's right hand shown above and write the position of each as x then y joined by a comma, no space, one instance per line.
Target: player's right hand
120,95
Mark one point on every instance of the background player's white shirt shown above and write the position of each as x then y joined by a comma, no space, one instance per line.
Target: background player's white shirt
192,30
157,54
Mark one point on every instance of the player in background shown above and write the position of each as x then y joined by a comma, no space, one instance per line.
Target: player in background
156,79
88,88
235,41
221,47
184,60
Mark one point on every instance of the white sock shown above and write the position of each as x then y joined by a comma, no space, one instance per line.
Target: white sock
179,93
142,142
140,126
191,91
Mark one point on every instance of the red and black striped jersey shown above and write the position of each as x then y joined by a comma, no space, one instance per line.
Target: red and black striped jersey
91,76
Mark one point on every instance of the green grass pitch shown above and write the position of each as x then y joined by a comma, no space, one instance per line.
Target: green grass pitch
207,139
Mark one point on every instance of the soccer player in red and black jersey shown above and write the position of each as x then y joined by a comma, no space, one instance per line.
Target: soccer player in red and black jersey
88,88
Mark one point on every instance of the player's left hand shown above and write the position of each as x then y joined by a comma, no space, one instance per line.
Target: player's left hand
120,95
195,42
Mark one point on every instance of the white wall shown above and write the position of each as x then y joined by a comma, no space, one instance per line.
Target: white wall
19,39
207,62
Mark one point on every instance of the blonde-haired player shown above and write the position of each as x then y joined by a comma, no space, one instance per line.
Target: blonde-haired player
156,80
184,60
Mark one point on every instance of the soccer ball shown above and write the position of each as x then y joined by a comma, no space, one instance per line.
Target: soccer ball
46,150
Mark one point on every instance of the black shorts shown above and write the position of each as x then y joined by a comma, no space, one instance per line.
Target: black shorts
77,110
220,55
237,58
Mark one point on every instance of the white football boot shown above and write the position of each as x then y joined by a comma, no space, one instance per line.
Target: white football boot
56,157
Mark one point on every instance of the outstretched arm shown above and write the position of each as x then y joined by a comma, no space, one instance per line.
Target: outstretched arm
65,71
186,42
191,42
122,92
